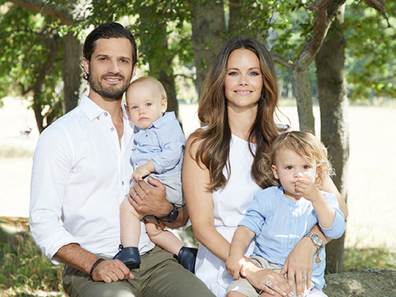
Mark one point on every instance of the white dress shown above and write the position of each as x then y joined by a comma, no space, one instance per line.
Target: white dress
229,207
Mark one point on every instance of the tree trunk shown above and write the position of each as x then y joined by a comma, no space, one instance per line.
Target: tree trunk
71,71
235,16
40,80
325,10
168,81
208,26
165,76
302,87
169,84
330,65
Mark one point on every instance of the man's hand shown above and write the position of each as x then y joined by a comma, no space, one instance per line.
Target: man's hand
111,271
150,201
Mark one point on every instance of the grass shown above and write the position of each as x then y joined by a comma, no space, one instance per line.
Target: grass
25,272
10,151
358,259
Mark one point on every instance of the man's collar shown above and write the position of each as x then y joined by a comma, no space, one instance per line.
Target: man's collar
92,110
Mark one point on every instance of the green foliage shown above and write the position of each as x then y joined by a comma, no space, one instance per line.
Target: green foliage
370,62
284,26
147,19
27,40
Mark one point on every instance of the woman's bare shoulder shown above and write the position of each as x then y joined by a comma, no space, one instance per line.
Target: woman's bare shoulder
195,139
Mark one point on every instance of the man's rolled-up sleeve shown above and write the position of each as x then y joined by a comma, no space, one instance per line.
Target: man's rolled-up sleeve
52,164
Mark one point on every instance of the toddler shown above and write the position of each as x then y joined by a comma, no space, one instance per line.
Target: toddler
281,215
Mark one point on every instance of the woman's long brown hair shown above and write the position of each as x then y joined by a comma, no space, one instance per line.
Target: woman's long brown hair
214,140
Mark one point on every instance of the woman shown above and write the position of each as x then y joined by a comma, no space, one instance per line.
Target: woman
221,171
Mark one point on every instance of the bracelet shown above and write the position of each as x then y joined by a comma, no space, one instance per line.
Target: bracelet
94,266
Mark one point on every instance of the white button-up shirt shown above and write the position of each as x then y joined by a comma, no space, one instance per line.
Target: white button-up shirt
80,176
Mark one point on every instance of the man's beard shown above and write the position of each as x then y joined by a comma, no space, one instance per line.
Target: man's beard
112,92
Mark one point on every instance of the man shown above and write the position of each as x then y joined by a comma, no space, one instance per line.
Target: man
81,173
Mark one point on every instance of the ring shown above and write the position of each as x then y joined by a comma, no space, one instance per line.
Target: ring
268,284
133,197
304,277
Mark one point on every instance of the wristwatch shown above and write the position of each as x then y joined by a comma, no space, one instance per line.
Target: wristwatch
317,241
172,215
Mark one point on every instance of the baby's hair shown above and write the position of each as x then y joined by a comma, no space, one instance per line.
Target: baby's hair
153,81
306,145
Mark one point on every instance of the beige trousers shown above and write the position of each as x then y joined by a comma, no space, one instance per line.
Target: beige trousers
243,286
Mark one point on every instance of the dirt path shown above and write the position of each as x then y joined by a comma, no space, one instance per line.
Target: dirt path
372,176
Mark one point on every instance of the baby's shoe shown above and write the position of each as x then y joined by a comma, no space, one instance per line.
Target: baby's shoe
129,256
186,258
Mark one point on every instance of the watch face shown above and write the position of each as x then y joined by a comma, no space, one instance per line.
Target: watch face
174,214
317,240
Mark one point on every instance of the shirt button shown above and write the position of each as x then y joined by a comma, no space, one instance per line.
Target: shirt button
122,183
112,129
105,114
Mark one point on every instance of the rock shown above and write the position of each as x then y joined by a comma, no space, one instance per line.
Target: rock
363,283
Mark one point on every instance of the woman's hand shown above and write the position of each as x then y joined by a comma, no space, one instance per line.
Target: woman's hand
298,265
268,281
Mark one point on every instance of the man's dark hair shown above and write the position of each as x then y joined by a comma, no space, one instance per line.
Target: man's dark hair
106,31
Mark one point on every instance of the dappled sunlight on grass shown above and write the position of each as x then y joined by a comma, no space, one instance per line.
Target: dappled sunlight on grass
363,258
24,271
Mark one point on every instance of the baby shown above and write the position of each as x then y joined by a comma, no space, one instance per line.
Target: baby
158,151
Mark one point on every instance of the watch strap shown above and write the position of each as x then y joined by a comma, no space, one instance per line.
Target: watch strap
315,237
172,215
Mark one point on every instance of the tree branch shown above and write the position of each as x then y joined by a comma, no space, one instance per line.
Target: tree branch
325,10
42,7
24,91
184,75
379,5
281,60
